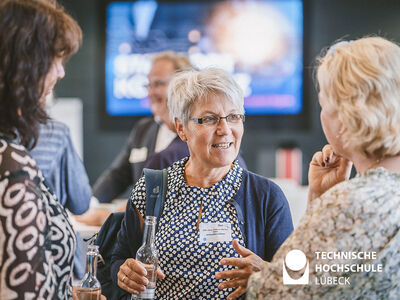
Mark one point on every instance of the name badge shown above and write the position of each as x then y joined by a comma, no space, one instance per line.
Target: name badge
138,155
215,232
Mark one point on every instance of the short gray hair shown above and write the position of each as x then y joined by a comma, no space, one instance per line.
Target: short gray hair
191,86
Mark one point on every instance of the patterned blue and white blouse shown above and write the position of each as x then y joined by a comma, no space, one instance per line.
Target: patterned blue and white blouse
37,241
189,265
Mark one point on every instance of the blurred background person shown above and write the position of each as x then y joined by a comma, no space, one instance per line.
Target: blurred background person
359,84
37,240
208,187
61,166
150,135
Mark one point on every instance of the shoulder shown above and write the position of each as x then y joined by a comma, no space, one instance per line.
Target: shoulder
57,125
177,148
54,132
15,158
258,191
141,129
165,158
54,126
145,123
376,191
259,183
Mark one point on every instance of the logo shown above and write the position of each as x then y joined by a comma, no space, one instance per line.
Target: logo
156,190
295,260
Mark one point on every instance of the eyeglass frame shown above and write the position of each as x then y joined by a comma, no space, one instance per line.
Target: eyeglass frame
218,119
157,83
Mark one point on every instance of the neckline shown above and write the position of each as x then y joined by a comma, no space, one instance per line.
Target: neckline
231,178
373,170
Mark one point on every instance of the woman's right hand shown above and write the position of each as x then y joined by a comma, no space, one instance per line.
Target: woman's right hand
132,276
326,170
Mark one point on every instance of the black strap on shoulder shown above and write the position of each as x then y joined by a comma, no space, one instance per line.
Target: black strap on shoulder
156,190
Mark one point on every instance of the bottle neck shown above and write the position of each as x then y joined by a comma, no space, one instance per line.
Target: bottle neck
91,263
149,233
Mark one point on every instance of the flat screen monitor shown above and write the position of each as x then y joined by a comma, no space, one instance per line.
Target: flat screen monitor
259,42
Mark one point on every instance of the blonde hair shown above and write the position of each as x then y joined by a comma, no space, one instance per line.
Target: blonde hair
189,87
362,79
180,61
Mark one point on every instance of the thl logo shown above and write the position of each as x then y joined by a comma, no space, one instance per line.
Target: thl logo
295,260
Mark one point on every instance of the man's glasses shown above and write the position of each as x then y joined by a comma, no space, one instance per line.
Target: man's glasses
213,120
156,84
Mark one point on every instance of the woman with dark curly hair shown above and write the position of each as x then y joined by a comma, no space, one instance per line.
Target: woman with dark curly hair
37,241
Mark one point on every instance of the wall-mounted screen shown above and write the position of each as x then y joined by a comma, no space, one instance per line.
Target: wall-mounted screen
259,42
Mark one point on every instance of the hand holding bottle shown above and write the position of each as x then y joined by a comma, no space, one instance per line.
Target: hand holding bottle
132,276
139,276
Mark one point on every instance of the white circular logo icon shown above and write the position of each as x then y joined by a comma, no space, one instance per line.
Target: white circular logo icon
296,260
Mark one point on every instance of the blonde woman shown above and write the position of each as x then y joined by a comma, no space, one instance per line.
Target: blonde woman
349,222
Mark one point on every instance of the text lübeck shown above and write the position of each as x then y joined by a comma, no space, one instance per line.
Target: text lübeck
327,280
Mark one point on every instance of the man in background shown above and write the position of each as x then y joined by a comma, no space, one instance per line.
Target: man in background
149,136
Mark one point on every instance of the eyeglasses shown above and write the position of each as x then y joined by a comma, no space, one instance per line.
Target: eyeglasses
213,120
156,84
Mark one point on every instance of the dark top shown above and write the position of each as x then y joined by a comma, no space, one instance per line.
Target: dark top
127,167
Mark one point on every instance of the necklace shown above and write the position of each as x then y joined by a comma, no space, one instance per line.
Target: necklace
374,164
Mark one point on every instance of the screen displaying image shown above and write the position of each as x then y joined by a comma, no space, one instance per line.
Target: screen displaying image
258,42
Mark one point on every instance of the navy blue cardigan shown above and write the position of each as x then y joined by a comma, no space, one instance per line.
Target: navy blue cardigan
263,214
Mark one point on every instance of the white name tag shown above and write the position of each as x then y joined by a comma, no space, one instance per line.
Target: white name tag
138,155
215,232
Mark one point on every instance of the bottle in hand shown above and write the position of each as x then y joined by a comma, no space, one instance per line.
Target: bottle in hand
147,254
89,288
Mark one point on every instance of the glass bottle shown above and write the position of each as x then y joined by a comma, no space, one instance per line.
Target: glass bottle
89,288
147,254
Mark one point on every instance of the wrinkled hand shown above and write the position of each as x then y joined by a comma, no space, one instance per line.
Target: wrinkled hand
132,276
245,266
94,216
326,170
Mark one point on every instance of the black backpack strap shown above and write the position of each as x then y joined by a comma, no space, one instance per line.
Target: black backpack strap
156,191
106,239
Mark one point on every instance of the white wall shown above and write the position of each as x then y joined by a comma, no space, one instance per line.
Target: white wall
69,111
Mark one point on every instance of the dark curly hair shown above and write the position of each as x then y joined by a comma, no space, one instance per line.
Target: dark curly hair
32,34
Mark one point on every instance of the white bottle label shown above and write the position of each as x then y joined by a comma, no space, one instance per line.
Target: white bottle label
147,294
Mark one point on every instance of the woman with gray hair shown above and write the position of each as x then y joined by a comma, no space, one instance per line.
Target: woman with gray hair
220,222
350,236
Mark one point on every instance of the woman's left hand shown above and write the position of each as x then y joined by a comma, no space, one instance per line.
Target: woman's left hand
326,170
245,266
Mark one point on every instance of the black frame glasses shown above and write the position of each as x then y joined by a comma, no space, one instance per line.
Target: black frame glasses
213,120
